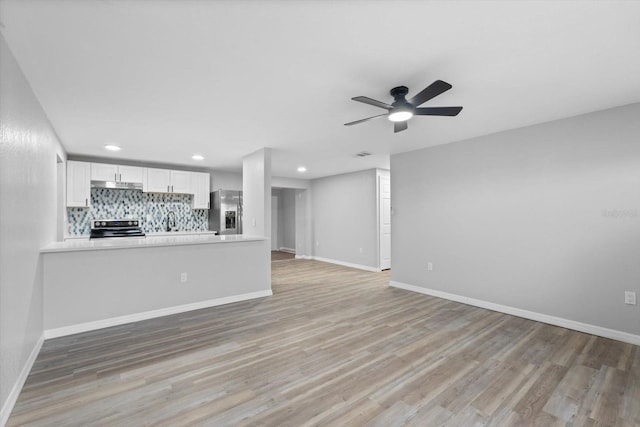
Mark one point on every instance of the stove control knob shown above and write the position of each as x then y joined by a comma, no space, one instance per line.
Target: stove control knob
103,223
130,223
135,223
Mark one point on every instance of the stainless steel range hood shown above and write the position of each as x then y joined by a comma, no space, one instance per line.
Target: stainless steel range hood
117,185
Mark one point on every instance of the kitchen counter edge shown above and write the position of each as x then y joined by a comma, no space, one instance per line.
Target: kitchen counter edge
76,245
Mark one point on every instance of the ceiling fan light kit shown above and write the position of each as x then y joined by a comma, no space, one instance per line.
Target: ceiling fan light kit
401,110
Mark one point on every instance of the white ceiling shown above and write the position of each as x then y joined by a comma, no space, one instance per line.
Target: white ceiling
166,79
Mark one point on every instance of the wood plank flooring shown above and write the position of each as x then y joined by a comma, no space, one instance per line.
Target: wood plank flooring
334,346
281,256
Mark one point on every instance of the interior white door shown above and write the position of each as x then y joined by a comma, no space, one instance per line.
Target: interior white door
385,222
274,223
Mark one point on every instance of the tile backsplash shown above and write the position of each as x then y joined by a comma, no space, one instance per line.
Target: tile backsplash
150,208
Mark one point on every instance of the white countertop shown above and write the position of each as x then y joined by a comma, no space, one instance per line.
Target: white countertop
151,240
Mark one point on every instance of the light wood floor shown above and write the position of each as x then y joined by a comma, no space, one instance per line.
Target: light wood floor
281,256
333,346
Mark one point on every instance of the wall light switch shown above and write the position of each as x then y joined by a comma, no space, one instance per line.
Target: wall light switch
183,277
430,266
630,297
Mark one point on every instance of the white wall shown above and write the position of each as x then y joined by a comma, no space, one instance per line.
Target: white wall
28,192
256,193
147,282
544,218
225,180
281,182
278,220
288,219
345,218
304,223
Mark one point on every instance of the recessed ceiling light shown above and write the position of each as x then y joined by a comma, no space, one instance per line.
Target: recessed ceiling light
111,147
302,169
197,157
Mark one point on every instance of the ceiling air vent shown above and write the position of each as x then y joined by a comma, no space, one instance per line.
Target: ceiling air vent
363,154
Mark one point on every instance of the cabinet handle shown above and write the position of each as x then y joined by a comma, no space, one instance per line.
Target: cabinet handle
115,176
172,188
168,190
86,202
120,177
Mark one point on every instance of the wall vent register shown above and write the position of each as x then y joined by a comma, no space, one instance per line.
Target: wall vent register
102,228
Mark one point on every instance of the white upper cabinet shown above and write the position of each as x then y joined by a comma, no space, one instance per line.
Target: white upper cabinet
80,175
181,182
168,181
104,172
117,173
130,173
200,181
78,184
157,181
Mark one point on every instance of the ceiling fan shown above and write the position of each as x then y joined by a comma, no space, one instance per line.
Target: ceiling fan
401,110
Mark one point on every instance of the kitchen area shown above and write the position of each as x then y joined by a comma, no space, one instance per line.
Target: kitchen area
142,242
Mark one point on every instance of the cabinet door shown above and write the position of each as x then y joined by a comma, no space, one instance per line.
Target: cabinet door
181,182
104,172
78,184
200,182
130,173
157,180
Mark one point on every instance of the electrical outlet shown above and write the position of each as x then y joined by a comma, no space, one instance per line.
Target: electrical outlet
630,297
183,277
360,250
317,244
430,266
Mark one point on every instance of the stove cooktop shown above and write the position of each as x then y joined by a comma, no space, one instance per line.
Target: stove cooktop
102,228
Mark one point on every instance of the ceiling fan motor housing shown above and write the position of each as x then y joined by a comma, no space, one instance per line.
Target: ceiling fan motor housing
399,94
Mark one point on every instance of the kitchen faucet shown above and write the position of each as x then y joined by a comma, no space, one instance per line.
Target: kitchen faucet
171,223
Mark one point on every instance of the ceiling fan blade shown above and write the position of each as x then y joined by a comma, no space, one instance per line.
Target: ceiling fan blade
372,102
431,91
437,111
363,120
399,126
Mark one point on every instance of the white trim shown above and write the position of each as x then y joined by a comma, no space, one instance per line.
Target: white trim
12,398
347,264
289,250
532,315
303,257
120,320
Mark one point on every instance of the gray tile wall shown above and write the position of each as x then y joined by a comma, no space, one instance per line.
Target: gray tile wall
150,208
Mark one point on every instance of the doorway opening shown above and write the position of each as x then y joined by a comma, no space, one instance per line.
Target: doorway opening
283,223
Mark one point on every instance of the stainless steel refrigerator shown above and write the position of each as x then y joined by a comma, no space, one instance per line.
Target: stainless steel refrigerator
225,216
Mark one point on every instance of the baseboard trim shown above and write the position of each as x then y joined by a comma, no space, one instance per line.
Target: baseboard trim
303,257
12,398
121,320
288,250
531,315
347,264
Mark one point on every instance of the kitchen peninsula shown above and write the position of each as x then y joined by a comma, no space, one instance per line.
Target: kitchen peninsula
92,284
